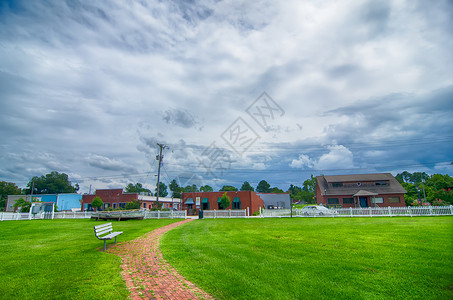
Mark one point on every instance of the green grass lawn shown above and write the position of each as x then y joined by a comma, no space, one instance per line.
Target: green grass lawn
330,258
61,259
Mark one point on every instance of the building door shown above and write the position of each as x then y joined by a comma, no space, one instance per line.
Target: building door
363,202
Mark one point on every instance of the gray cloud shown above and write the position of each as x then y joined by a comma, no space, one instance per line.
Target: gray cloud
106,163
114,78
179,117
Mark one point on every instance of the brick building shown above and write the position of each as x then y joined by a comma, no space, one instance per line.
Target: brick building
362,190
193,201
115,198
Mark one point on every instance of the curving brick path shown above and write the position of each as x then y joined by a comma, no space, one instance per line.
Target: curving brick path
148,275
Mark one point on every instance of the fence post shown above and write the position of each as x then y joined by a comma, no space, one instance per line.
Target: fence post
430,210
350,211
214,214
410,211
229,214
158,214
171,214
17,216
371,213
451,209
390,211
248,212
2,217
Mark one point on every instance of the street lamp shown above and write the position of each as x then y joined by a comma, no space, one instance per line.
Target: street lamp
419,198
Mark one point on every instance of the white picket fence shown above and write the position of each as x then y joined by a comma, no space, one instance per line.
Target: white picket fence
10,216
407,211
171,214
214,214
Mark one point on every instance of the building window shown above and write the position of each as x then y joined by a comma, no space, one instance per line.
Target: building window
348,200
122,205
337,184
87,207
394,199
382,182
377,200
205,204
332,201
220,204
236,203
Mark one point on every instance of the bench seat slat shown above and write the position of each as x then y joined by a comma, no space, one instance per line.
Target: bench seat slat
104,232
101,232
102,226
111,235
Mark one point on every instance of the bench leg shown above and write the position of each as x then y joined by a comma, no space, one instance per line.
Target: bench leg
115,239
104,245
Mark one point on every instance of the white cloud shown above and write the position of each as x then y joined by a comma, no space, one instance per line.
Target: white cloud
338,157
114,78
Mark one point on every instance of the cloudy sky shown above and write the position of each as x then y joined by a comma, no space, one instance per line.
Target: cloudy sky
237,90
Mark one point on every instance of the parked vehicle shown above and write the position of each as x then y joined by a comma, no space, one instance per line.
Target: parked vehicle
317,210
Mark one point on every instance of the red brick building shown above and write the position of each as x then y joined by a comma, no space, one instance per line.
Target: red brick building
362,190
115,198
192,202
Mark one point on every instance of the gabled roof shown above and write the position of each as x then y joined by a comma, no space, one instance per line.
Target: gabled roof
393,187
364,193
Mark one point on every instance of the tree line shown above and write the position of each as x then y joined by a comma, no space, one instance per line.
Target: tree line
424,189
436,189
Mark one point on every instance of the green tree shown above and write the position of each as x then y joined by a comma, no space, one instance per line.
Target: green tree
228,188
206,188
136,188
7,188
310,184
52,183
293,190
162,190
440,181
263,187
276,190
134,204
175,189
191,188
247,187
418,177
403,177
22,204
96,203
225,201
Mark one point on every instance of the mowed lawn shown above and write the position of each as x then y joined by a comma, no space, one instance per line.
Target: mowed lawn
316,258
62,259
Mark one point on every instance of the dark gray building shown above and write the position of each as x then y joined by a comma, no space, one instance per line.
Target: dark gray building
275,201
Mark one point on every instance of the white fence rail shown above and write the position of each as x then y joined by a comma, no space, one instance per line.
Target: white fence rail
214,214
172,214
10,216
277,213
407,211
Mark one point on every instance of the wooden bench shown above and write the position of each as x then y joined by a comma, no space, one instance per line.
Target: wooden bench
104,232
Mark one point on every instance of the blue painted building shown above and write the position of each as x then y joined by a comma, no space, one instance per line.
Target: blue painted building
69,202
63,201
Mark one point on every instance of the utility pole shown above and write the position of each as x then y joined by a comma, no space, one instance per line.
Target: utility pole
159,157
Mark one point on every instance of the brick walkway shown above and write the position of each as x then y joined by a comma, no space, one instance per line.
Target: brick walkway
148,275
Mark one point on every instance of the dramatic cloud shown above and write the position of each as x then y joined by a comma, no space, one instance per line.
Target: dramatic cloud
338,158
89,89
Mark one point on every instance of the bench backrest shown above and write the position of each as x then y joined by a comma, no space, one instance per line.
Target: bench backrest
102,229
